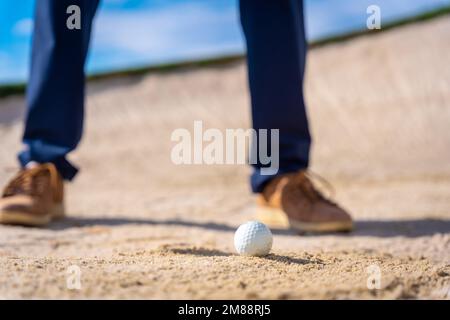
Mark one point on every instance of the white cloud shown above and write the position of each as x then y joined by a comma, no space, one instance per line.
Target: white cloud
23,27
162,31
324,19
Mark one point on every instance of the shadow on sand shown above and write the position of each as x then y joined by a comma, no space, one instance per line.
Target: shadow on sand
371,228
406,228
74,222
205,252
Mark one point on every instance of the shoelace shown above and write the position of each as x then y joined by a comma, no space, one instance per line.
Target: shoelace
27,181
310,191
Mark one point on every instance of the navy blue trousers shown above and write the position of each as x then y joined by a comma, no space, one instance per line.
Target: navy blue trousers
276,51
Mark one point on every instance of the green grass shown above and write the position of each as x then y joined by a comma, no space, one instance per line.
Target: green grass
19,88
12,89
164,68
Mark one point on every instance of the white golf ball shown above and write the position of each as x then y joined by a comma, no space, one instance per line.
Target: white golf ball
253,239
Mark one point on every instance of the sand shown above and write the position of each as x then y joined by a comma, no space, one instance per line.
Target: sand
141,227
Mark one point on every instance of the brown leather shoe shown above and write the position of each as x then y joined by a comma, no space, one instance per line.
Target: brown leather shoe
34,197
292,200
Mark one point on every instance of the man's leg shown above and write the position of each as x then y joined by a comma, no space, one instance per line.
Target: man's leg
55,93
276,50
54,120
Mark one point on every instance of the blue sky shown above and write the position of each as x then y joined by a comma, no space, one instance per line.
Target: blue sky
130,33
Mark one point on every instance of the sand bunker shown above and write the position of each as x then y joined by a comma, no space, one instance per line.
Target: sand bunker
142,227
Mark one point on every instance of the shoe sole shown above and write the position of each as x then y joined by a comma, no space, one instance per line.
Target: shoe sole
32,220
276,218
